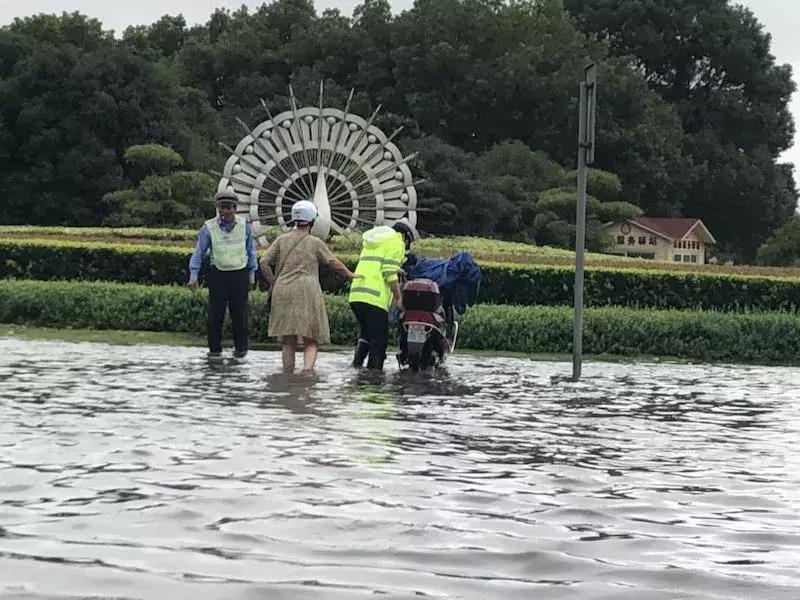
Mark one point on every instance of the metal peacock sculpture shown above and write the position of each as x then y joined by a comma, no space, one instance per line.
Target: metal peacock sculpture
353,172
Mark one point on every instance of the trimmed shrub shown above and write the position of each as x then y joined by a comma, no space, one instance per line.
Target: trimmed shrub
747,337
128,263
503,283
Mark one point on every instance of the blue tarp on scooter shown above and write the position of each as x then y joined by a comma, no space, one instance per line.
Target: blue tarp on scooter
458,278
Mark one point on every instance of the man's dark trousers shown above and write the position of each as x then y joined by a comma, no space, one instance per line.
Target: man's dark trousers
374,324
228,289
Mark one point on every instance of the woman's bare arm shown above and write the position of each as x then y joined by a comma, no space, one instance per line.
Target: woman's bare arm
338,266
266,270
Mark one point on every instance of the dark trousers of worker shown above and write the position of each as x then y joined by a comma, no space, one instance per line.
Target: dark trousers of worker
373,337
227,289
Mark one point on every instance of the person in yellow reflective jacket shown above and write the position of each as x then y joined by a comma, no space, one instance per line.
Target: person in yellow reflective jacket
382,256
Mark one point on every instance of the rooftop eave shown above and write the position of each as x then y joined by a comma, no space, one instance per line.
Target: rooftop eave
703,233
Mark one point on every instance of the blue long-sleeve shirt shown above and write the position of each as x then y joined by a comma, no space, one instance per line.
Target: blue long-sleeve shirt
204,245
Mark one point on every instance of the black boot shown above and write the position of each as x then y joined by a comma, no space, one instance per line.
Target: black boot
362,350
375,361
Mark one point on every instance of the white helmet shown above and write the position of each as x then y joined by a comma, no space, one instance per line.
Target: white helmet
304,211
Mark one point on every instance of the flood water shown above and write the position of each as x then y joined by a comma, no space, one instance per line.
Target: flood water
146,472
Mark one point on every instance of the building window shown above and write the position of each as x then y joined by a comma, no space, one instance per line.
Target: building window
686,258
677,258
694,258
620,240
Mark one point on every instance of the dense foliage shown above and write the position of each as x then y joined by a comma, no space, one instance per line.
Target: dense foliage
692,113
754,337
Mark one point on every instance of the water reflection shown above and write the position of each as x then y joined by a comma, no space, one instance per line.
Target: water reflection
149,472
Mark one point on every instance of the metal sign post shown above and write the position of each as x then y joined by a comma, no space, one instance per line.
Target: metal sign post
586,129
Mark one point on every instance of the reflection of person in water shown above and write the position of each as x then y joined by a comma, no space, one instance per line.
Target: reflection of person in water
374,427
294,392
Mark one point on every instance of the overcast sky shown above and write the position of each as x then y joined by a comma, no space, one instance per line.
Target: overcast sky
780,17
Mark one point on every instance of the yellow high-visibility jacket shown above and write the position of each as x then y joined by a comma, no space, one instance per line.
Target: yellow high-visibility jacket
382,255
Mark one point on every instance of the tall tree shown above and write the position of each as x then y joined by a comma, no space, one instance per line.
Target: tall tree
73,101
711,60
477,72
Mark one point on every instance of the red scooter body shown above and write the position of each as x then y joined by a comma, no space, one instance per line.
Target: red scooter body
423,337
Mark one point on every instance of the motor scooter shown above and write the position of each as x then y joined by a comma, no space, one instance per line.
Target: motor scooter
428,330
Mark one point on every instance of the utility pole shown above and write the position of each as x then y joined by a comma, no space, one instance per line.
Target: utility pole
586,129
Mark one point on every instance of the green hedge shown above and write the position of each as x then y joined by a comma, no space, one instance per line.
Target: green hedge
502,283
127,263
747,337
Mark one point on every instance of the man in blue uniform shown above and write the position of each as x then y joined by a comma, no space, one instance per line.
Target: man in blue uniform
228,239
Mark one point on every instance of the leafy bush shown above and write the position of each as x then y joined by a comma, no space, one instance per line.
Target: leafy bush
751,337
181,198
503,283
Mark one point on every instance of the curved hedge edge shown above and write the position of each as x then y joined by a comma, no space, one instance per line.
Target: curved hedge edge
161,233
753,338
92,245
502,284
352,258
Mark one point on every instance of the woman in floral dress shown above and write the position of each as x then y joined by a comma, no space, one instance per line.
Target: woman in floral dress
291,268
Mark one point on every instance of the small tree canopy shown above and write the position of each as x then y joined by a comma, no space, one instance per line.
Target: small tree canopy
617,211
562,201
151,159
783,248
603,185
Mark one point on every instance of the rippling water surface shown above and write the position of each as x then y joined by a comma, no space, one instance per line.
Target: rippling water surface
146,472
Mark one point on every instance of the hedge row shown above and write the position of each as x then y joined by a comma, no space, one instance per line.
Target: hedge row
502,283
127,263
747,337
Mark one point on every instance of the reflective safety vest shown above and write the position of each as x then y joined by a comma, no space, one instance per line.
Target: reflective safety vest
228,250
381,257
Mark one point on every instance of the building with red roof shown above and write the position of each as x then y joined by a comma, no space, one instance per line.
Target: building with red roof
657,238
